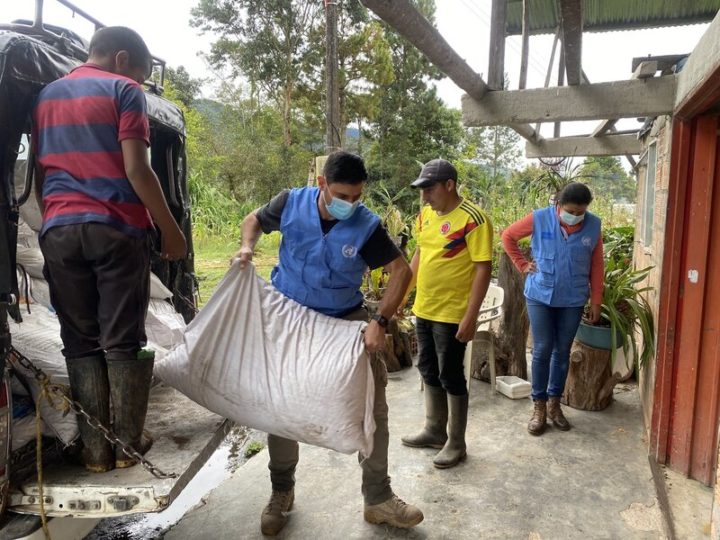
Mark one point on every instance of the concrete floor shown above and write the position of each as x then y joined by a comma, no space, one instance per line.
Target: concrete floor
591,482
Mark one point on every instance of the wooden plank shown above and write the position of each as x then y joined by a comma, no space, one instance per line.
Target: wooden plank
610,145
525,54
496,61
664,61
620,99
698,71
669,294
549,69
705,427
410,23
643,71
560,82
572,27
694,277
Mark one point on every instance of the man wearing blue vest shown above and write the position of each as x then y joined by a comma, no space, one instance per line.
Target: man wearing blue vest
329,239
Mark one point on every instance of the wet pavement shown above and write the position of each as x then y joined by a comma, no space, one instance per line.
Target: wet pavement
591,482
225,461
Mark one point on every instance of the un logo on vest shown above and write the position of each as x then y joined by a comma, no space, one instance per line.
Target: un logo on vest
586,240
349,251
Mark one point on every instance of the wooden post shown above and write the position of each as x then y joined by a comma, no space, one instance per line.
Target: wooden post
550,66
514,323
512,334
522,83
571,22
332,89
496,64
561,79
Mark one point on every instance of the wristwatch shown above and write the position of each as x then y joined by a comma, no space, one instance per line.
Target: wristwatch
381,320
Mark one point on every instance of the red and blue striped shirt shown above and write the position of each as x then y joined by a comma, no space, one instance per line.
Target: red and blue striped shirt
79,123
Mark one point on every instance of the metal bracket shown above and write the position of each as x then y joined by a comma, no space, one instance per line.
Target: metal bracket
84,505
123,503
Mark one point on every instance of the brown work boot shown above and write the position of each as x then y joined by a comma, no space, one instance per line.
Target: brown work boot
555,414
395,512
434,434
536,426
275,514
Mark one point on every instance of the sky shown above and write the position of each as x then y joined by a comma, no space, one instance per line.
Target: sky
464,24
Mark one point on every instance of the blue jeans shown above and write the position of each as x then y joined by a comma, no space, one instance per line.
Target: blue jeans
553,330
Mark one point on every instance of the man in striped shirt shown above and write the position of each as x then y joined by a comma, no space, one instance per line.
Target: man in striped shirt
99,197
451,265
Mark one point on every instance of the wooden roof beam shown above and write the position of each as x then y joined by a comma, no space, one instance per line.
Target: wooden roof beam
608,145
619,99
644,70
410,23
496,60
572,27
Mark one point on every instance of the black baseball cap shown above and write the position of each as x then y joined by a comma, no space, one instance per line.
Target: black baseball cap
436,170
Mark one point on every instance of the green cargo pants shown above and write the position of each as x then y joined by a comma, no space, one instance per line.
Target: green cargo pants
375,480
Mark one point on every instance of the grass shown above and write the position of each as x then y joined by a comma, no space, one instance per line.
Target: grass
212,259
253,448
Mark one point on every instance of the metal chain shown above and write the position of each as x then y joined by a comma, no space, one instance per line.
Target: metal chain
57,390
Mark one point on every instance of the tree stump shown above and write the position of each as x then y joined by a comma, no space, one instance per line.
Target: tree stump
590,380
512,335
397,354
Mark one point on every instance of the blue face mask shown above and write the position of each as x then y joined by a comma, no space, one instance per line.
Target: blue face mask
340,209
571,219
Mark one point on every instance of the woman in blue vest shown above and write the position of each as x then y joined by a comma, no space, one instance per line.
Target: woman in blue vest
566,270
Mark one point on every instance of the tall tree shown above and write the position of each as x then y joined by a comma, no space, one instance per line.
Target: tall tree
186,88
607,178
364,67
263,40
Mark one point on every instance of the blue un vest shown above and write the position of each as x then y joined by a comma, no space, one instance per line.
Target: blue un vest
321,271
563,265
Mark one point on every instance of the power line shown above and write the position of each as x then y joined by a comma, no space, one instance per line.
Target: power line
484,17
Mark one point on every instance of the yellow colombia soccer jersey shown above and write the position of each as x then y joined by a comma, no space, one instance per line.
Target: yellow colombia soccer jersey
449,245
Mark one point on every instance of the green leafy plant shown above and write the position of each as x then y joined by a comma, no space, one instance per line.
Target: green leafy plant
253,448
625,309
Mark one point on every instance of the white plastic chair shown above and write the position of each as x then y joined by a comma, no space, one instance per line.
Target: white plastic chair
490,310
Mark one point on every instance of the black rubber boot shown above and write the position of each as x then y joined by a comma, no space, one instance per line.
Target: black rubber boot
89,386
434,434
454,450
130,380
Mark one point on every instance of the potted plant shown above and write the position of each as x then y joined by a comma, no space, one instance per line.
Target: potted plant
625,311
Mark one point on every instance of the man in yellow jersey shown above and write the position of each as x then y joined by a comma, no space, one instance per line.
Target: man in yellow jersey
451,266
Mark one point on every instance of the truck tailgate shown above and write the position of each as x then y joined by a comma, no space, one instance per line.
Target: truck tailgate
185,436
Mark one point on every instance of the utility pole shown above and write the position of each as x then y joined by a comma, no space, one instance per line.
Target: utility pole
332,89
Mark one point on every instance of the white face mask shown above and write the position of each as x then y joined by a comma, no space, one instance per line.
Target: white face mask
571,219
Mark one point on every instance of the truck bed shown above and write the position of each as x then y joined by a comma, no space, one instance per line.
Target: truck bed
185,436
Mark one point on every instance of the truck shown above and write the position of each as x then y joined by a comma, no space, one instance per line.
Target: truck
33,54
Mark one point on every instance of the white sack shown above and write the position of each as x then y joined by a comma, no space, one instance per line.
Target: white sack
40,292
38,338
23,431
157,289
264,361
164,326
31,260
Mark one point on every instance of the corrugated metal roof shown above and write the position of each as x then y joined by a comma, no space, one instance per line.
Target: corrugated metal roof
603,15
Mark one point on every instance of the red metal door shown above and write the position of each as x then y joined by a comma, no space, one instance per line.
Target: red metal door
692,427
